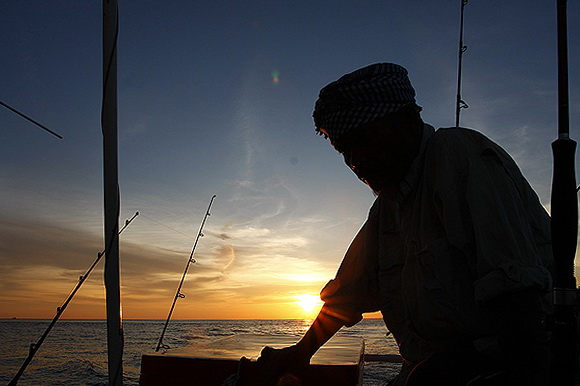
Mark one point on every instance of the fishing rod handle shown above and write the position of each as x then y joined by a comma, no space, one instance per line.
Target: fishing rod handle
564,212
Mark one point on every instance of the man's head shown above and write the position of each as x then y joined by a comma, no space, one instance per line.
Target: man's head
370,116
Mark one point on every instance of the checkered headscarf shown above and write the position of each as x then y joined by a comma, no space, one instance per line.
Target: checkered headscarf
360,97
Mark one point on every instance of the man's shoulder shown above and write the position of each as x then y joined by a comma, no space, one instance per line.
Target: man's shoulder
459,144
460,139
459,133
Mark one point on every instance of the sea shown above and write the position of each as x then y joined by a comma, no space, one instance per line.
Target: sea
75,351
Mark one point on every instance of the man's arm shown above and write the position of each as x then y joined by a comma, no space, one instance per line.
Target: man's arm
326,324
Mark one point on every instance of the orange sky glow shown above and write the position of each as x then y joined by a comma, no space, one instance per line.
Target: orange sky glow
225,108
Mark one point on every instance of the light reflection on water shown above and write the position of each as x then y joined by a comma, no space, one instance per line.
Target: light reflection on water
75,351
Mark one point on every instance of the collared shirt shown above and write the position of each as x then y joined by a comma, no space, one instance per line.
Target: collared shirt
464,229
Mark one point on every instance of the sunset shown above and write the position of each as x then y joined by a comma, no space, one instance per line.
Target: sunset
286,207
216,98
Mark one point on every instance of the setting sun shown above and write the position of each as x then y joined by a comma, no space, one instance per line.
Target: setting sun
308,302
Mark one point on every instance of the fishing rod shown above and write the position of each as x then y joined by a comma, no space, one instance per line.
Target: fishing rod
460,103
564,224
59,310
30,119
178,293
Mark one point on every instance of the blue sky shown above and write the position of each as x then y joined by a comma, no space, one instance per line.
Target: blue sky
200,114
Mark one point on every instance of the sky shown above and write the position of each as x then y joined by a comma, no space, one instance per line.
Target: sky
216,98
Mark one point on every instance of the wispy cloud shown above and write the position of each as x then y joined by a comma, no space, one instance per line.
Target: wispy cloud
233,261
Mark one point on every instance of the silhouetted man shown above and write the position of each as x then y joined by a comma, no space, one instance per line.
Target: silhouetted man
455,252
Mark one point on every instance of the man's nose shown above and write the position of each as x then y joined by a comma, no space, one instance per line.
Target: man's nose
355,158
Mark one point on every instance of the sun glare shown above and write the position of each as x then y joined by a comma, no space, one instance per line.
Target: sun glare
308,302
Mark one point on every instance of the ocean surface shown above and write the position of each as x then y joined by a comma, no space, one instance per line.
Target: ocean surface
75,352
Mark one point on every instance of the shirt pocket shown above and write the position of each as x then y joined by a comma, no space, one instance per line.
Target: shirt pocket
438,291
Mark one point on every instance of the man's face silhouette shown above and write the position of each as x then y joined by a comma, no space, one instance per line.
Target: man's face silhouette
381,152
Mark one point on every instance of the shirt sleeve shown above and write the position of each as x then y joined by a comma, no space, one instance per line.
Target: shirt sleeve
510,226
355,288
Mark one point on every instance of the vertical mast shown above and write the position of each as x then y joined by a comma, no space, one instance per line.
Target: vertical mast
111,192
564,211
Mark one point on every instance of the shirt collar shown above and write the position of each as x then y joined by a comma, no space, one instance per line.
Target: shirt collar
412,178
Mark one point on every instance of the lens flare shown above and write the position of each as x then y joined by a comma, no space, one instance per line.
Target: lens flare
275,77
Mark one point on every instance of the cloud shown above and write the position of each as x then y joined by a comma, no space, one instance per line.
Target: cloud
267,202
261,248
26,242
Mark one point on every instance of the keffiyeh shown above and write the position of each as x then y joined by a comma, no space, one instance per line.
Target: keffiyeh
360,97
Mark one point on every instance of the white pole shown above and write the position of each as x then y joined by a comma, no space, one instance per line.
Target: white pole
111,193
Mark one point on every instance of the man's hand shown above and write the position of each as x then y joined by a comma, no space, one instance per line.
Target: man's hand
286,365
